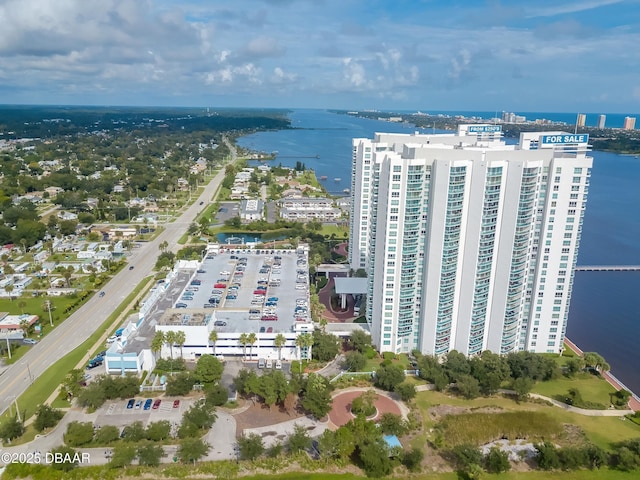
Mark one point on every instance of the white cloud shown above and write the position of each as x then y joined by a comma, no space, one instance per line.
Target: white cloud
574,7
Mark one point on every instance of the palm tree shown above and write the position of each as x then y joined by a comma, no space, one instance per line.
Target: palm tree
251,338
181,338
21,305
157,343
302,341
279,342
170,338
244,339
9,290
213,338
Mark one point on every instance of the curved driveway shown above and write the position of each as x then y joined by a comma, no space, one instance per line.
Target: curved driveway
83,323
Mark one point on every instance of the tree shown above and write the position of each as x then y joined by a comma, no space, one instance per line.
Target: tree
573,366
134,432
191,450
251,446
208,369
213,338
280,342
304,341
170,339
180,384
67,455
158,431
244,341
375,459
47,417
468,387
360,340
522,386
406,391
252,338
123,455
392,424
78,434
497,461
466,456
547,456
158,342
325,346
11,429
365,403
317,396
457,364
217,395
199,417
354,361
107,434
299,440
387,377
180,339
596,361
412,459
150,454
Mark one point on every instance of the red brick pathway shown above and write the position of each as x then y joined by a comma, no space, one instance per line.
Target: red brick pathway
325,298
341,412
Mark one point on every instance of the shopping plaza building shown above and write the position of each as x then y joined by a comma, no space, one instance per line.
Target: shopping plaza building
469,243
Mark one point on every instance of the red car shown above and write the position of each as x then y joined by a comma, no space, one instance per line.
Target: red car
269,318
270,330
156,404
220,285
259,292
176,403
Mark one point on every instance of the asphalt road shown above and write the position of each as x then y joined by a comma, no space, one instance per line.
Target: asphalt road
82,324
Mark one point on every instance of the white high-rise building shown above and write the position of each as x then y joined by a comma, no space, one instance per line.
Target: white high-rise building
469,243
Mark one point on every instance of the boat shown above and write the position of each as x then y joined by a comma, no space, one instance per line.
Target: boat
337,179
323,177
346,190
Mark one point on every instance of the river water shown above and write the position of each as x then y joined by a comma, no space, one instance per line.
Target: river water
605,306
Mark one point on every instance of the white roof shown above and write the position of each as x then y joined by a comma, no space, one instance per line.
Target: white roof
353,285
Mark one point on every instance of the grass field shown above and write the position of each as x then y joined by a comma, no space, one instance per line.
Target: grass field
602,431
592,388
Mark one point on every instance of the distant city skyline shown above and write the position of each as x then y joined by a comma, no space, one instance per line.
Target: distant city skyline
542,55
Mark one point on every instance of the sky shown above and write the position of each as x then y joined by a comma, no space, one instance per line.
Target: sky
481,55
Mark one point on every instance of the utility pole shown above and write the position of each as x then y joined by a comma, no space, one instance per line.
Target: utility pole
8,344
49,309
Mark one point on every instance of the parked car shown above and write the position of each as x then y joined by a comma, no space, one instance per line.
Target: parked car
138,403
176,403
259,292
131,267
278,365
147,404
201,271
29,341
220,323
181,305
272,299
156,404
269,363
262,329
270,330
220,285
102,294
261,363
269,318
130,403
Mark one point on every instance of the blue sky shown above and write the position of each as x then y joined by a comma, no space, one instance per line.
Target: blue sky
535,55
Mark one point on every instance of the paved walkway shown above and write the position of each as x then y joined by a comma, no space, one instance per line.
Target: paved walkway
633,404
340,413
278,433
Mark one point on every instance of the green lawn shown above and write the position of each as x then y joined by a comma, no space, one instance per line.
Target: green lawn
338,230
592,388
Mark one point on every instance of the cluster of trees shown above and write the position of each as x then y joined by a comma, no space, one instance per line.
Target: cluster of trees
485,374
207,373
362,441
624,456
312,392
106,387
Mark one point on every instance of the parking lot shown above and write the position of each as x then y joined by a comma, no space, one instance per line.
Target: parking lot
116,412
250,291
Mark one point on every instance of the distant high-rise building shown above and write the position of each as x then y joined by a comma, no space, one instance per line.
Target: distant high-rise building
601,121
629,123
468,243
581,120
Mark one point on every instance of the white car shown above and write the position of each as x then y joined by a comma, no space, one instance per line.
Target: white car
278,365
111,339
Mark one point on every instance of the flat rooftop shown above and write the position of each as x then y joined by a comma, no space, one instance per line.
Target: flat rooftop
243,290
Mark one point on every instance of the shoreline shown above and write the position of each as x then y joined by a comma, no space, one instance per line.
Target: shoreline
634,401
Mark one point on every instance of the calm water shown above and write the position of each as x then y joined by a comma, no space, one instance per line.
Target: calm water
605,306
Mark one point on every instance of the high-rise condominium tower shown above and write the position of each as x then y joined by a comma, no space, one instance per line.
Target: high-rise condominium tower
601,121
469,243
629,123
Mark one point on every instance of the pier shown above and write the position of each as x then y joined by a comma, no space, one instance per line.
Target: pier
608,268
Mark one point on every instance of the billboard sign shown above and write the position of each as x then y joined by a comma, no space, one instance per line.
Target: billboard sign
564,139
484,128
